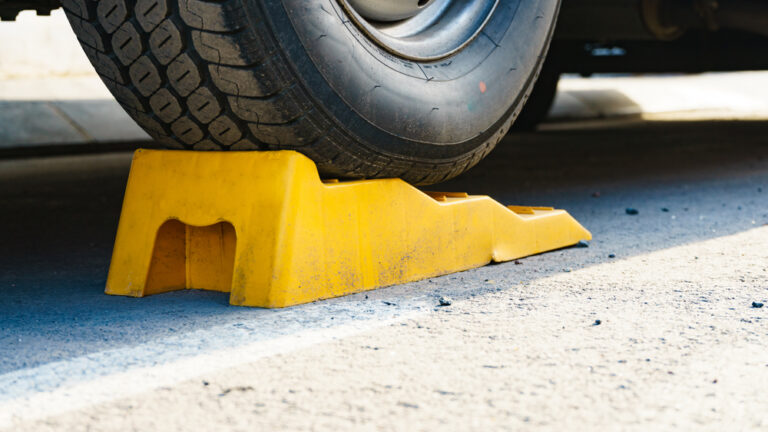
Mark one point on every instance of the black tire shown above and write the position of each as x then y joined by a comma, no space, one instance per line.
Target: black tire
541,99
298,75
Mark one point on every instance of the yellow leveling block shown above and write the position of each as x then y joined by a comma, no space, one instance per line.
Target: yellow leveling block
264,227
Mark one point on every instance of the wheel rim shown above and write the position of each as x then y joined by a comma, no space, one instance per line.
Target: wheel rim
421,29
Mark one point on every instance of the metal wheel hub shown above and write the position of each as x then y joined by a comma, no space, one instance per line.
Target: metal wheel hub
421,29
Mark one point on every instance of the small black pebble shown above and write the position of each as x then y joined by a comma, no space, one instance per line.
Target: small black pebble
445,301
611,255
665,210
518,262
389,303
757,305
597,322
582,244
631,211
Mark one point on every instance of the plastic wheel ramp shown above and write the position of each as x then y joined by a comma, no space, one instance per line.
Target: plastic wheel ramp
264,227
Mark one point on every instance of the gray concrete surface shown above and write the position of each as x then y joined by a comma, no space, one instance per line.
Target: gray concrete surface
678,345
59,113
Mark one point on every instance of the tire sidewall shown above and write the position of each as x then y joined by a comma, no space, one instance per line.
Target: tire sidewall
431,110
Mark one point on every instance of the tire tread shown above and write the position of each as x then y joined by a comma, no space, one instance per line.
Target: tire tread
199,74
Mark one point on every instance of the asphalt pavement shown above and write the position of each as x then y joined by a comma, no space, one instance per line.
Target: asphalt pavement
650,326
